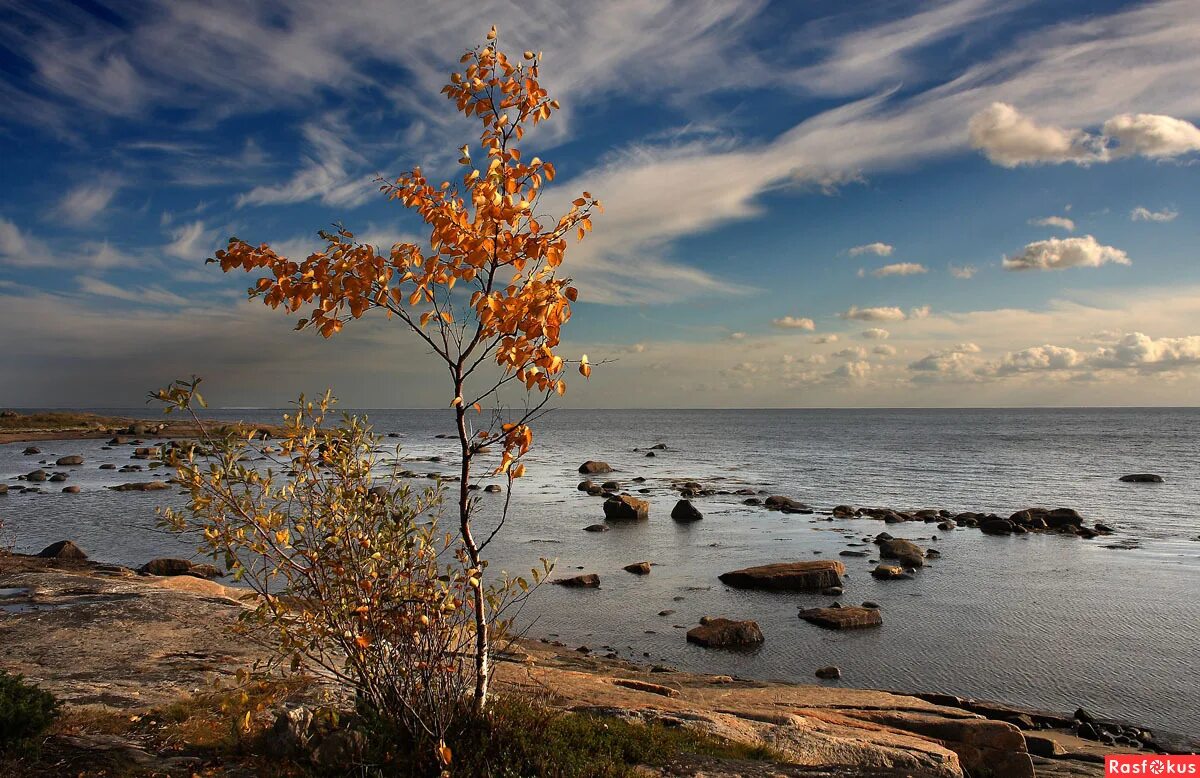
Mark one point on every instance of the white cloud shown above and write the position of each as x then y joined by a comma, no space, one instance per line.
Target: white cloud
1152,135
820,339
1039,358
884,350
963,271
84,202
956,363
854,371
20,249
330,171
1055,221
736,336
154,295
852,352
877,248
900,269
191,241
1135,350
793,323
1009,138
875,333
885,313
1062,253
1141,214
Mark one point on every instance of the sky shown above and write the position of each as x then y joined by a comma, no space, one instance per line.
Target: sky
818,204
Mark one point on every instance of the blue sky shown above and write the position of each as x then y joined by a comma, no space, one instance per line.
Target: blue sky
808,204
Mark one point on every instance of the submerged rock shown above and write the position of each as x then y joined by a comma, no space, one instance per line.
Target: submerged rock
1141,478
851,617
596,528
141,486
725,633
585,581
814,575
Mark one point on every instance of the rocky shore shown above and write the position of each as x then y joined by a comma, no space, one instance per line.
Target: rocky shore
104,636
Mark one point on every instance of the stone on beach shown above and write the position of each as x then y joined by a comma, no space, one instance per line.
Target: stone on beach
814,575
725,633
851,617
622,507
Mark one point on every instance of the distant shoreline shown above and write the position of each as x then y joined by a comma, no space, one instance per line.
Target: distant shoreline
82,425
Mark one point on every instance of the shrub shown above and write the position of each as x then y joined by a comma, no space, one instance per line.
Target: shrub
25,709
355,581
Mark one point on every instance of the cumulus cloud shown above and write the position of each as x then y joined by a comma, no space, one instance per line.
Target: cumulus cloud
900,269
884,350
1009,138
1055,221
956,363
853,371
1062,253
852,352
1136,350
963,271
877,248
885,313
793,323
875,333
1152,135
1039,358
825,339
1141,214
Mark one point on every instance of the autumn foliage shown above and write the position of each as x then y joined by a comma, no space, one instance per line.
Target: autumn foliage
484,290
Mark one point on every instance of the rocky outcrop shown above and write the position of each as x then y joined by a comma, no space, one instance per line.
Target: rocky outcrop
622,507
1141,478
592,467
852,617
725,633
809,576
585,581
685,513
63,549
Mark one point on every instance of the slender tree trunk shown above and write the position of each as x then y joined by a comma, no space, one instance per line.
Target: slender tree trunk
482,646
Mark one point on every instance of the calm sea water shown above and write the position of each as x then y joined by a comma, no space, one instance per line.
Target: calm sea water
1044,621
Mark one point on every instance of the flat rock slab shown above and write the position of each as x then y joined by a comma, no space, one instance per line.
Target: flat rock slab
852,617
813,575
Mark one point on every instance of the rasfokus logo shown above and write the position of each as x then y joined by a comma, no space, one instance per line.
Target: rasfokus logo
1138,764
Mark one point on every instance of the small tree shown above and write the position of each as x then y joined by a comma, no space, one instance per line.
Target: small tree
487,235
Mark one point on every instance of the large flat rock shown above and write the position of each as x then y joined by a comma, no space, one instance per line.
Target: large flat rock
811,575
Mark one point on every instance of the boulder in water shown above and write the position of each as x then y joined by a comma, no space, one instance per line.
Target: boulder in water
1141,478
585,581
851,617
72,460
814,575
725,633
591,467
622,507
685,512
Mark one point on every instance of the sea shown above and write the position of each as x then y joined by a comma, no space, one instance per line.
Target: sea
1111,625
